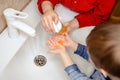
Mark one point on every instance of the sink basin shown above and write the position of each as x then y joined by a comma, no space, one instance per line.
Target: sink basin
22,66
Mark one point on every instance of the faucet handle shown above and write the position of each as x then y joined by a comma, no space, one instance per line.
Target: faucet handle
15,14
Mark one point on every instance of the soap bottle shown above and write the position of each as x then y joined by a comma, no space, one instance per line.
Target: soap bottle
59,28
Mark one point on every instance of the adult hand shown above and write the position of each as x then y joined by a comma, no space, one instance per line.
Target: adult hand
47,20
73,24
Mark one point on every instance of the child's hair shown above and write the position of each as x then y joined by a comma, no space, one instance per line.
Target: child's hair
103,45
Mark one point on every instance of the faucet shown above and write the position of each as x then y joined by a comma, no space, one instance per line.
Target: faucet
13,18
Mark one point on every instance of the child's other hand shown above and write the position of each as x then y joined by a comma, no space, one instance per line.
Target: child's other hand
68,42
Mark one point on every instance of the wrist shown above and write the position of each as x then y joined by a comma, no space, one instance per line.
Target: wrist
77,23
74,46
73,24
67,60
47,6
63,53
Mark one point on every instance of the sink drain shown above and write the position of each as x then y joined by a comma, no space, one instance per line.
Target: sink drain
40,60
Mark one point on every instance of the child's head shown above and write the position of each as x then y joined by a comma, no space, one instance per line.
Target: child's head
103,45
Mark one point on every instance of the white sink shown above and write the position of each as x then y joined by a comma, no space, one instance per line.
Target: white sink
22,66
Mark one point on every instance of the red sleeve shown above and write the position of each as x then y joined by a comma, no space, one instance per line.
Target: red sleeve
39,2
96,16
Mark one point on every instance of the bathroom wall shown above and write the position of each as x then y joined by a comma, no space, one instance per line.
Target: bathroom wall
16,4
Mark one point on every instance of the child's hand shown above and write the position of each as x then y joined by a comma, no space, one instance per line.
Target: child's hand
68,42
60,50
64,40
55,46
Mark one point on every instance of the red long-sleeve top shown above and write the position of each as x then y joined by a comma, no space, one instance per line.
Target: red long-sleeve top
92,12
